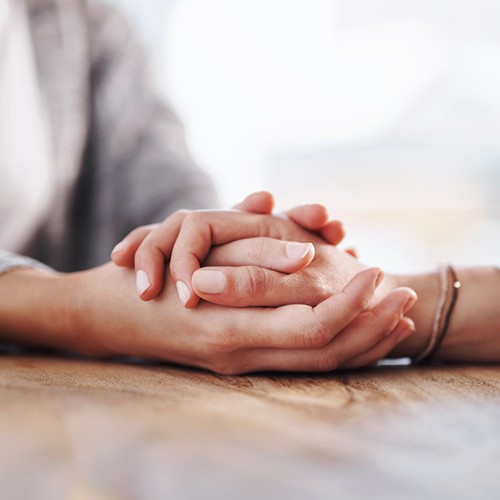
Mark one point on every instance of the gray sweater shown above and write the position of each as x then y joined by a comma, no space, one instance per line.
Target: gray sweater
120,151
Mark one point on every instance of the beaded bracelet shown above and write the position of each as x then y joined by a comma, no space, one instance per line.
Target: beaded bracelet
443,314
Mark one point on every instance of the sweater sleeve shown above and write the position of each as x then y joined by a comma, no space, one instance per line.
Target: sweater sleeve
137,169
10,261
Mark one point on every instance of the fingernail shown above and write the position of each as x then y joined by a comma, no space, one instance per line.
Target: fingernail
118,247
410,302
183,292
209,281
298,250
142,281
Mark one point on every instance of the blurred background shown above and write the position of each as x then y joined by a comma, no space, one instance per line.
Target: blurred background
387,112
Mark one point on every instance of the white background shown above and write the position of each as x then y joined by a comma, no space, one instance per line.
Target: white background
386,111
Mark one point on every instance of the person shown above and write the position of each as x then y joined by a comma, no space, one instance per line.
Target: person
117,161
456,318
106,155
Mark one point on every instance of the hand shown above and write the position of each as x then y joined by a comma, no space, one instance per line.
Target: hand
109,320
255,268
272,253
149,246
252,272
96,312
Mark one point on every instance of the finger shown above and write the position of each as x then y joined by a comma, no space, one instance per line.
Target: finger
279,255
261,202
249,337
151,254
201,230
303,327
367,330
310,216
314,217
381,350
250,286
333,232
124,251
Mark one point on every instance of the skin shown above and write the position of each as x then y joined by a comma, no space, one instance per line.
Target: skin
474,332
97,313
148,247
246,256
257,272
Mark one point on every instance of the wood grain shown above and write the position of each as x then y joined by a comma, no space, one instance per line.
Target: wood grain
83,429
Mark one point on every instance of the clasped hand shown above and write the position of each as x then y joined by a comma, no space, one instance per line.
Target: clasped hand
297,302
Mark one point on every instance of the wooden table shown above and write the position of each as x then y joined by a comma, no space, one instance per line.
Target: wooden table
80,429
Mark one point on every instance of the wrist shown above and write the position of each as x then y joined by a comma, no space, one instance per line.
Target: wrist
107,317
427,286
82,317
474,324
473,333
95,303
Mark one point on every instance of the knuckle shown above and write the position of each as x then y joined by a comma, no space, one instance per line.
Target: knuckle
139,232
280,228
224,341
196,222
388,323
366,319
379,325
327,361
376,318
258,251
141,254
191,218
356,304
146,252
318,285
274,227
254,281
319,336
177,218
180,215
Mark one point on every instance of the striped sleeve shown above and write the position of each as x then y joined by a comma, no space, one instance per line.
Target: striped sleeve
10,261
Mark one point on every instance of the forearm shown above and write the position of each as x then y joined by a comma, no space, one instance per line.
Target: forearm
81,312
474,329
34,308
94,312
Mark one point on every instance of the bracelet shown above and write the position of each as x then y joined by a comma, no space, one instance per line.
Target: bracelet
437,318
442,318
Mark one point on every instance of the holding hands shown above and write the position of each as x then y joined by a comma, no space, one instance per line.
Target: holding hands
277,294
325,310
249,235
